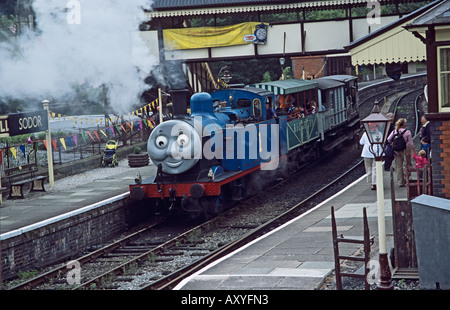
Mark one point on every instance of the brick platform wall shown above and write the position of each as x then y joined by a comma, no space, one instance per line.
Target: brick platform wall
440,145
63,240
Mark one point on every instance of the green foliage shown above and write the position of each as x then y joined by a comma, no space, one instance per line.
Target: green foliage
266,77
252,70
16,140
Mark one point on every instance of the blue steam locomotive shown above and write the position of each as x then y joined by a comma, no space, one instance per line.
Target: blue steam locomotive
235,139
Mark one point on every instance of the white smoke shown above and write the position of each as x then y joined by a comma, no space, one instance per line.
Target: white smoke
78,42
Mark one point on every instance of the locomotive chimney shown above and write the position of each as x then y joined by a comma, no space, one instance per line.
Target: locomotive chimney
179,102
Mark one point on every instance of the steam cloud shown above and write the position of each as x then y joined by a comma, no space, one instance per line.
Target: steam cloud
79,41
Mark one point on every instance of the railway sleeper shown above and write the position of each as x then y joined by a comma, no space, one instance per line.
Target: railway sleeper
171,253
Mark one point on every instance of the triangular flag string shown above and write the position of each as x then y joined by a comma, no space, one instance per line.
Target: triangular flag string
95,132
13,151
91,136
63,142
54,144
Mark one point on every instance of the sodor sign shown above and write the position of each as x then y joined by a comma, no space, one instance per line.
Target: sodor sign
28,122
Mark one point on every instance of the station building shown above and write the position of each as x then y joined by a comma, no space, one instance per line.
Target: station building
433,29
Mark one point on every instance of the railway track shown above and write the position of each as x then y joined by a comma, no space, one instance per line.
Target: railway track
129,254
133,257
408,106
170,281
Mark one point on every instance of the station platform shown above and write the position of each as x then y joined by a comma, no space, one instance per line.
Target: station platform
296,256
299,254
70,196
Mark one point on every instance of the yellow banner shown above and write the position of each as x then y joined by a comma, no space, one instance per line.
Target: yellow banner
203,37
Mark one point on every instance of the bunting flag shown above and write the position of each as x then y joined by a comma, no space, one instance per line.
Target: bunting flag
45,143
91,136
140,124
83,136
69,140
22,148
131,127
54,144
112,130
103,133
95,132
13,151
63,142
121,125
75,140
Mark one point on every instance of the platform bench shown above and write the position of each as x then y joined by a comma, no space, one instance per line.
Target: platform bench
20,176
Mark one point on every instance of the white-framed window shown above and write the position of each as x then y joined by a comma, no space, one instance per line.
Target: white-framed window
444,78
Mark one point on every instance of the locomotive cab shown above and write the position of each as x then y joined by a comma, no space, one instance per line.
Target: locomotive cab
243,104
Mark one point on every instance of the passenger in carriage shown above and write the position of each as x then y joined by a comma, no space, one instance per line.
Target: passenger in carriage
286,102
270,112
313,107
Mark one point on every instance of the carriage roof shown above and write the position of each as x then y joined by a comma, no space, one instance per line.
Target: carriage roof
285,87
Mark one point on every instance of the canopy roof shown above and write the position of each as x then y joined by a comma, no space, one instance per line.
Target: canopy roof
285,87
390,44
328,83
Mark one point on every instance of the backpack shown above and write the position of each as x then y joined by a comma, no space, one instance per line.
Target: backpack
399,143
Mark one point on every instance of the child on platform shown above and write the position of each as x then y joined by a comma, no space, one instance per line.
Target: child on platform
421,161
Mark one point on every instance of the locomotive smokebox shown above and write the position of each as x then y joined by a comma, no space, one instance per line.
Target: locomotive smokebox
179,102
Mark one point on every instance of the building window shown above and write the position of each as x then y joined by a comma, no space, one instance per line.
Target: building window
444,78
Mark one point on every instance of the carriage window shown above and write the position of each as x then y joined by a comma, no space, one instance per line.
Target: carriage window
244,103
257,107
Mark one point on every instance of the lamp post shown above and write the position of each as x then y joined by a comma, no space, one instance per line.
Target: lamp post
377,127
282,61
51,178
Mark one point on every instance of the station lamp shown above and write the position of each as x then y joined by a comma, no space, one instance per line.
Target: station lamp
376,127
225,76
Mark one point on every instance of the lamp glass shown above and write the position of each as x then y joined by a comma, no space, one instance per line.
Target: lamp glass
376,127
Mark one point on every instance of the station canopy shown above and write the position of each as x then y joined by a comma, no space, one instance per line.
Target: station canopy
390,44
285,87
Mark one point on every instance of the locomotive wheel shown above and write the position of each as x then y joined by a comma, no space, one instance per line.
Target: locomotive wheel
216,204
213,205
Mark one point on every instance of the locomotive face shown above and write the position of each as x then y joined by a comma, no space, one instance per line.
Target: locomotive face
175,145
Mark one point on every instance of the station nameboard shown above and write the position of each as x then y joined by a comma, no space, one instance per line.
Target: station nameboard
23,123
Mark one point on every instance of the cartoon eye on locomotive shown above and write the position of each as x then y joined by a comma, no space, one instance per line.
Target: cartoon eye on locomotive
234,139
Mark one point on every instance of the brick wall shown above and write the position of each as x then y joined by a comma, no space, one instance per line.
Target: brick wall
440,145
63,240
311,64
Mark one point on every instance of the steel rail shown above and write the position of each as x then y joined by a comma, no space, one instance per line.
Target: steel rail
44,278
169,281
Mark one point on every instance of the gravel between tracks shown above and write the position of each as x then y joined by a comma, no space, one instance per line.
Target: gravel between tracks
296,191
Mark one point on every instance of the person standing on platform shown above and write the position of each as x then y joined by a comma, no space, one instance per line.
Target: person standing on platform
425,135
389,152
402,150
369,161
